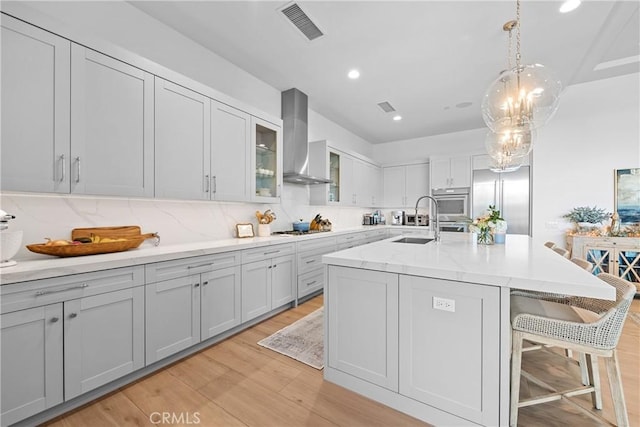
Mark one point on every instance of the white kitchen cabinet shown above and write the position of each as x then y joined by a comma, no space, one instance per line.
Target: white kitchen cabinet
268,279
403,185
230,153
432,365
172,316
35,108
266,161
112,142
182,133
309,264
362,322
67,335
103,339
450,172
354,182
220,301
32,362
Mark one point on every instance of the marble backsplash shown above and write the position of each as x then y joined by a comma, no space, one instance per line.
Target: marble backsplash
177,221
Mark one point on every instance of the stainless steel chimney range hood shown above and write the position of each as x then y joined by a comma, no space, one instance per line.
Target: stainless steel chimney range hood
295,140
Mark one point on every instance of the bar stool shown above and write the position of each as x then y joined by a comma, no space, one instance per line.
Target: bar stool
589,326
550,245
565,253
583,263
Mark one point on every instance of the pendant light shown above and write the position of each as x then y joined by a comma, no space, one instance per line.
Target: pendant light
522,99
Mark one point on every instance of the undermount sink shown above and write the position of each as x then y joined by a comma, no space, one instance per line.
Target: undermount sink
416,240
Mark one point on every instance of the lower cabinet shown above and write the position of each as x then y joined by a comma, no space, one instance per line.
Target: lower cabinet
362,312
432,341
266,285
199,300
84,336
455,375
172,316
32,360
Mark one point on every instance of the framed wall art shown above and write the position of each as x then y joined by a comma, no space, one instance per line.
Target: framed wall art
627,195
244,230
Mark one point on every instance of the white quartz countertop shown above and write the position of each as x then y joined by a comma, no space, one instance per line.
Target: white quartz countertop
50,266
519,263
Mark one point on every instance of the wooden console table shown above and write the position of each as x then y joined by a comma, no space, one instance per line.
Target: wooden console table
619,256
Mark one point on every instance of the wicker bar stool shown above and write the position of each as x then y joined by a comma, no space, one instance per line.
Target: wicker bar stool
589,326
581,262
565,253
550,244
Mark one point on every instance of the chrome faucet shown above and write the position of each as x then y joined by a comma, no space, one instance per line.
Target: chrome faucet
436,228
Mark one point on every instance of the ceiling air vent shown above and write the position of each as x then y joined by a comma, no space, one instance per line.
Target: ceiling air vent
386,107
302,22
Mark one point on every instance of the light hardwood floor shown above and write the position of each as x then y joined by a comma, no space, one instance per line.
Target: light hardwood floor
238,383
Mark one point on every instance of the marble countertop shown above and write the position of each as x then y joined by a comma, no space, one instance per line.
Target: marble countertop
519,263
48,266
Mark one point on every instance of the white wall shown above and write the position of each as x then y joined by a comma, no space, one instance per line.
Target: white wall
321,128
596,130
456,143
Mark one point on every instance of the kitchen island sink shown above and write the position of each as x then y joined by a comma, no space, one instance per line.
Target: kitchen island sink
415,240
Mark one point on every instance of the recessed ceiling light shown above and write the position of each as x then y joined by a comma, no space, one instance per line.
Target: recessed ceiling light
397,118
569,5
354,74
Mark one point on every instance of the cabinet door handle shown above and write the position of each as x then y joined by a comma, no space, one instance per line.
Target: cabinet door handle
73,315
310,261
53,291
272,252
215,184
275,265
205,283
79,170
54,319
63,161
271,266
312,283
200,265
197,285
206,183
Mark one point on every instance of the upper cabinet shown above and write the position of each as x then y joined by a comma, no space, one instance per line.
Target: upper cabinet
111,126
78,121
35,109
230,153
354,182
266,161
450,172
403,185
182,130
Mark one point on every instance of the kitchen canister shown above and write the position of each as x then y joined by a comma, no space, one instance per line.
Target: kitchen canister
264,230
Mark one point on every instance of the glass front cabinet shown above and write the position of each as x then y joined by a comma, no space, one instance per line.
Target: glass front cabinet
266,185
619,256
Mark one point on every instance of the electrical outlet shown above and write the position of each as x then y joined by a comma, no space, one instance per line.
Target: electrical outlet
444,304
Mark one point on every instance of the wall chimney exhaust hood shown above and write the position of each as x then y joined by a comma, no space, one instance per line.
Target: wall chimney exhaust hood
295,140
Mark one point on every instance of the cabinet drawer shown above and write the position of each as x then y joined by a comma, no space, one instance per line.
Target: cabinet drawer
266,252
310,245
375,235
184,267
18,296
351,238
312,260
310,282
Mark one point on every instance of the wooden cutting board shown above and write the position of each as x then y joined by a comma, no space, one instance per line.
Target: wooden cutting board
125,231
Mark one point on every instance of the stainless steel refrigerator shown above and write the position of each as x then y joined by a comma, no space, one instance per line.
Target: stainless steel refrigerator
509,192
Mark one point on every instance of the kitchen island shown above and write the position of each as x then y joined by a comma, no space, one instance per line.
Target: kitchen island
425,328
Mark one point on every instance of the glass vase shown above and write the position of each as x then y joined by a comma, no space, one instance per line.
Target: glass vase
485,237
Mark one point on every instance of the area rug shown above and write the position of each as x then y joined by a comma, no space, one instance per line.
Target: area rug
635,317
303,340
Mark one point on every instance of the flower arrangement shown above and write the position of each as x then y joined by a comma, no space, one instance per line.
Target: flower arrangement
486,225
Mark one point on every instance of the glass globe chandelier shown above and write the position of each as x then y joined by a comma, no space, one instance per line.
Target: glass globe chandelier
522,99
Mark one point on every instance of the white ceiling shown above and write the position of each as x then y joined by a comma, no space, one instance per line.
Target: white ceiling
424,57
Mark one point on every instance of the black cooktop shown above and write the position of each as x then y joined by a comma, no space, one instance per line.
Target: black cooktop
298,233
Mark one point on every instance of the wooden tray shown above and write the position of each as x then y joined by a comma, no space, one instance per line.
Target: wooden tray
86,248
126,231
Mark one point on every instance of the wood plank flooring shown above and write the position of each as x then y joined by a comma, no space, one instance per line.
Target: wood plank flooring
238,383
